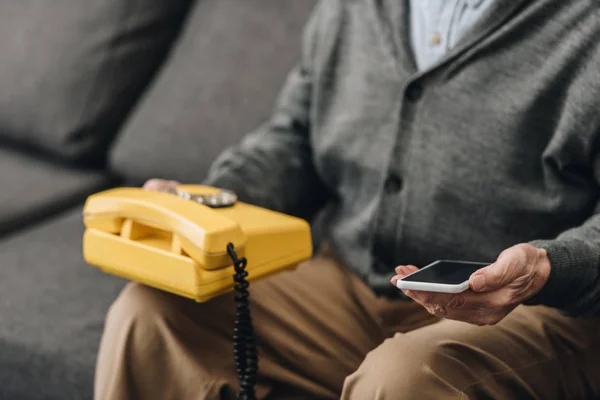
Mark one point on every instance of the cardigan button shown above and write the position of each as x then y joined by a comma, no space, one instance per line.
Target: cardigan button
414,91
393,184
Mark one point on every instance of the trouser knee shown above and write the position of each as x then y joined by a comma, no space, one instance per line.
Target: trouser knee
407,368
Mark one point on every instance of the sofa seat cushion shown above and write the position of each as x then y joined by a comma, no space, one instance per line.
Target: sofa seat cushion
220,82
72,70
31,189
52,310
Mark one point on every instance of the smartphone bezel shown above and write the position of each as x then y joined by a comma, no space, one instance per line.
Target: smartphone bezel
438,287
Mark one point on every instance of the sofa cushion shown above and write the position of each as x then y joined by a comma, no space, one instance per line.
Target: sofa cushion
31,188
220,82
52,310
71,70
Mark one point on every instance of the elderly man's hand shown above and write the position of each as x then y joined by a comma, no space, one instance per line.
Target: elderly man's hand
519,273
160,185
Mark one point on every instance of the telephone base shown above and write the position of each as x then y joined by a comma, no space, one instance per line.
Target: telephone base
170,272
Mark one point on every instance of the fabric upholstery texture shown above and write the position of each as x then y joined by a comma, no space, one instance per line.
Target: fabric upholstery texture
52,309
31,188
221,82
72,70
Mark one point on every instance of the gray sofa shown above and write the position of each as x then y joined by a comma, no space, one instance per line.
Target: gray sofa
99,94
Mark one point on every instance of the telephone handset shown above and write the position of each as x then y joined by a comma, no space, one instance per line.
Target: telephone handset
198,242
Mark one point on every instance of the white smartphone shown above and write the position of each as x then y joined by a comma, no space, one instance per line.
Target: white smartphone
443,276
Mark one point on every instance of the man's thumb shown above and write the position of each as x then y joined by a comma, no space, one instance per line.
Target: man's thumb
489,278
477,281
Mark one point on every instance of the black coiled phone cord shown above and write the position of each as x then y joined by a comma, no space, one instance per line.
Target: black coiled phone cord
244,340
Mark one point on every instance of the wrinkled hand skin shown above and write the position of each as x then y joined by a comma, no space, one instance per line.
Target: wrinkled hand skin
519,273
160,185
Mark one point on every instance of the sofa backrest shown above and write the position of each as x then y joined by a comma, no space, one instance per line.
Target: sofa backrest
71,70
220,82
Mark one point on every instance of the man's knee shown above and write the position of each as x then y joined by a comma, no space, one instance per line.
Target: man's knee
136,304
136,317
406,367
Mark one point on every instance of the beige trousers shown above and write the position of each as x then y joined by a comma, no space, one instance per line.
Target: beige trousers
323,334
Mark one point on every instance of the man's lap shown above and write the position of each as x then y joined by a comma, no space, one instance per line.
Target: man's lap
315,326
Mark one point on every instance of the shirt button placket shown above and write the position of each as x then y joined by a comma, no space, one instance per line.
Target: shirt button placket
384,240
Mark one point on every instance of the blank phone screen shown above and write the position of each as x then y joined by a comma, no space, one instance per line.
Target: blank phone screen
446,272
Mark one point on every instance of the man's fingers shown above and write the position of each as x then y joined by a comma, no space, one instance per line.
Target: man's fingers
406,269
431,298
402,271
457,308
467,300
160,184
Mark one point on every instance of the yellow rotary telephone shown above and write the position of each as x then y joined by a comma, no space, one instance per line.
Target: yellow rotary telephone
198,242
177,244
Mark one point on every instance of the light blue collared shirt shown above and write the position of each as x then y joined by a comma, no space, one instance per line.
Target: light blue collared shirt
437,25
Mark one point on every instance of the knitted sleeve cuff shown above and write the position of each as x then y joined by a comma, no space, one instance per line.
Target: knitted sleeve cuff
573,265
